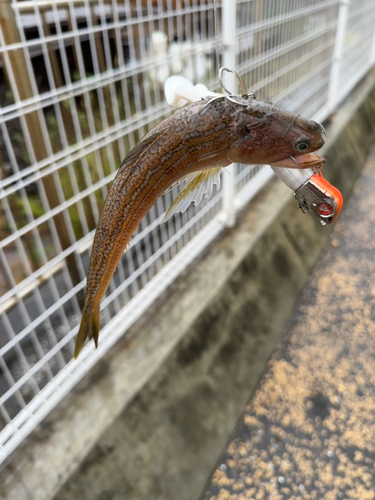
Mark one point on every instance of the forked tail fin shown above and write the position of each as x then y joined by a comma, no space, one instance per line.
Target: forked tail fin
89,327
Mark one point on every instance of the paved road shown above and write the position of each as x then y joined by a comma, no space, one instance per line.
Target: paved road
309,431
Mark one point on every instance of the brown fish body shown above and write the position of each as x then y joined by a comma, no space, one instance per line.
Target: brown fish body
199,136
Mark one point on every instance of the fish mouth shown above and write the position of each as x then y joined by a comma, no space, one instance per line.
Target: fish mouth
310,160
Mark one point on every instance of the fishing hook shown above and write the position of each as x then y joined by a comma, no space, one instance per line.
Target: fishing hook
322,129
232,97
241,84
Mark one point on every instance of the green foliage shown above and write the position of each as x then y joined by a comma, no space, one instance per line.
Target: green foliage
34,203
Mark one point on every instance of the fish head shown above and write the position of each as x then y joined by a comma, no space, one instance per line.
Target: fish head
273,136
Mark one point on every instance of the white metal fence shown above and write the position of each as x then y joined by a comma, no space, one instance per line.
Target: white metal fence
81,83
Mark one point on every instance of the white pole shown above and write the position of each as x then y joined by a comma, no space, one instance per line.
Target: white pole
372,56
229,10
337,55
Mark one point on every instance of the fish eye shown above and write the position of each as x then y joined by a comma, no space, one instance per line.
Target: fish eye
302,145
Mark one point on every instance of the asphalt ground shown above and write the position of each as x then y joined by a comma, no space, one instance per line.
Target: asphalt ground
309,430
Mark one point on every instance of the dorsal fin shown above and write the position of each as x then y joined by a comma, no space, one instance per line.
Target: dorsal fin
198,185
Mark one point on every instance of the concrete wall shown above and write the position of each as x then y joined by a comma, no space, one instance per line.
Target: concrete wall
151,418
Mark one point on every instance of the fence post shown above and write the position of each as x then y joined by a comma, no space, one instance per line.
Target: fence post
372,56
337,55
229,10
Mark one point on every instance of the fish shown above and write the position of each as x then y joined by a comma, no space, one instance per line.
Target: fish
193,144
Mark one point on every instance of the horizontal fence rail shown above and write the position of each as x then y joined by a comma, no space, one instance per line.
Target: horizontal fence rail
81,84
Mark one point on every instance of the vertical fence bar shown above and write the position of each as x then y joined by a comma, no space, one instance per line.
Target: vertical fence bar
229,9
337,55
372,56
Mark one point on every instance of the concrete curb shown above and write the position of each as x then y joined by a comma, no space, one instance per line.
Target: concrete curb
150,420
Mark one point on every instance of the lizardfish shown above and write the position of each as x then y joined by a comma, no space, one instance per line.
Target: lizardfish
194,144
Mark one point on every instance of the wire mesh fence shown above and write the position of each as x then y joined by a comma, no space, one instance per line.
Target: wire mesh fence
358,46
81,82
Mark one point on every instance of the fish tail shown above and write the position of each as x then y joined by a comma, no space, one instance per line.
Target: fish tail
89,327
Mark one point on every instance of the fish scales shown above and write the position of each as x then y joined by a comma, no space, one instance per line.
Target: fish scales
152,175
200,136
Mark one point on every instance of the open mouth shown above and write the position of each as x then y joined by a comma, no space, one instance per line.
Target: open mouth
310,160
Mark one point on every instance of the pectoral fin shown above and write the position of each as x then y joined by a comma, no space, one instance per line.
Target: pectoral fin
198,185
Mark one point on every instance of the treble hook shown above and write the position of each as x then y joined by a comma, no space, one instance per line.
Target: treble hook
241,83
232,97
